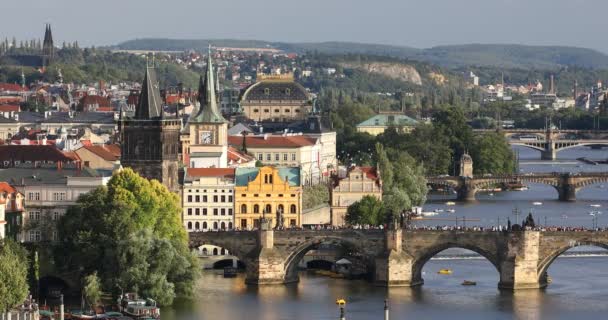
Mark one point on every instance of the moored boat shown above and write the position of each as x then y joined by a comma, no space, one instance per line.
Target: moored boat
445,271
469,283
137,308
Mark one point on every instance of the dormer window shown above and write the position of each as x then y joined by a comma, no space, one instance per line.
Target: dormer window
267,91
287,91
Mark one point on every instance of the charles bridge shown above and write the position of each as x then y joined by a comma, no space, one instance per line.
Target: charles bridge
550,141
566,184
395,257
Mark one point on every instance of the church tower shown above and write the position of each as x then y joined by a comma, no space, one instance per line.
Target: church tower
48,48
150,142
205,137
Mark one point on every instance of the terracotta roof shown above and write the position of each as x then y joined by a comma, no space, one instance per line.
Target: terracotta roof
72,155
108,152
370,172
10,87
5,187
273,141
235,155
31,153
9,107
210,172
93,101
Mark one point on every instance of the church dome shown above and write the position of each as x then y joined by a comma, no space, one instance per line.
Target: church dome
283,90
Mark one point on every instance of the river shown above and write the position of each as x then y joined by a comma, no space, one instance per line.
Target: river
579,288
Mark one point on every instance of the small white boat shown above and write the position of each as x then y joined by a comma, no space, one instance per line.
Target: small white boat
451,210
537,203
595,205
438,210
450,203
429,214
491,194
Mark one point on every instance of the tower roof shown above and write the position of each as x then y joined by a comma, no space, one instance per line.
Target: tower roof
150,103
48,36
208,111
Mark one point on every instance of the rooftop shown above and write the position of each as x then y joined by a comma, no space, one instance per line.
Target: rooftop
210,172
245,175
39,176
385,120
108,152
270,141
32,153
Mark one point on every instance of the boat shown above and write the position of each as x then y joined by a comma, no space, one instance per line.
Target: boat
229,272
132,306
469,283
491,194
445,271
536,203
549,279
438,210
595,205
450,203
451,210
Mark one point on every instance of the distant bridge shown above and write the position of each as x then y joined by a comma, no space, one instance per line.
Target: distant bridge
396,257
566,184
550,141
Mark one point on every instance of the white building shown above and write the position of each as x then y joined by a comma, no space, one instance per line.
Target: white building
208,199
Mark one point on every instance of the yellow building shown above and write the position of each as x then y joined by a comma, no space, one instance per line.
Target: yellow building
267,192
380,122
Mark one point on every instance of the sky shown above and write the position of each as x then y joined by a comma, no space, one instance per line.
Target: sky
415,23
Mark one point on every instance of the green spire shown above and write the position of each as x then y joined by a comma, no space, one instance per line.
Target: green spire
208,111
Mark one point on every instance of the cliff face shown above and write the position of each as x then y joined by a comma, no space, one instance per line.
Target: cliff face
397,71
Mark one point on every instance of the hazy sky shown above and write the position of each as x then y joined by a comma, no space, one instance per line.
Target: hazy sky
417,23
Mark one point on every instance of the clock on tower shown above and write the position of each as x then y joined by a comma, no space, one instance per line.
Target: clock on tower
206,137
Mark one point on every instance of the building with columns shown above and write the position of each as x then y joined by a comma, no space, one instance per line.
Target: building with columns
350,186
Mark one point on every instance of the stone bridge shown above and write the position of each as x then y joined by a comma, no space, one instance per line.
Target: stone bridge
550,141
396,257
566,184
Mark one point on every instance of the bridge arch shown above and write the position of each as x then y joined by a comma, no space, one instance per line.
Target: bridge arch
292,260
430,252
548,259
527,145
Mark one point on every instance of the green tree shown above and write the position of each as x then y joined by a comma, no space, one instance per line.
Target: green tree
13,275
409,177
92,289
315,195
367,211
102,229
492,153
385,167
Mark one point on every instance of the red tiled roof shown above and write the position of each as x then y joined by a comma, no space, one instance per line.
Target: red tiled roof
9,107
72,155
370,172
5,187
272,141
31,153
97,101
211,172
10,99
10,87
108,152
235,155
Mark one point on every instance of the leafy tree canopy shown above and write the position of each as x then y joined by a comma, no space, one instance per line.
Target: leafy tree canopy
13,275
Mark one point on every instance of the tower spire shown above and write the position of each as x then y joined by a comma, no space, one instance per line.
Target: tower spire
150,103
208,111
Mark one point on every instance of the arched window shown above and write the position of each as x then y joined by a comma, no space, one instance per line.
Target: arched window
268,208
205,251
215,225
215,251
205,225
256,208
280,208
270,178
223,226
189,225
223,251
243,208
197,226
265,178
229,225
293,209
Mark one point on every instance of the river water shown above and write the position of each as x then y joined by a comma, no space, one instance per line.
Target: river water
579,288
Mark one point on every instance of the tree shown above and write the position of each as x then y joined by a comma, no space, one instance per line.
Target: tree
385,167
492,153
92,289
367,211
13,275
101,231
315,195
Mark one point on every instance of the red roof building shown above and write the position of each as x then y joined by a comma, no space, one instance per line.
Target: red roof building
270,141
94,104
34,156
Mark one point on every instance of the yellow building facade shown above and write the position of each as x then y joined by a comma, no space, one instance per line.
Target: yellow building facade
273,193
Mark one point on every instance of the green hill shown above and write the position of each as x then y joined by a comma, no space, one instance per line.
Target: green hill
494,55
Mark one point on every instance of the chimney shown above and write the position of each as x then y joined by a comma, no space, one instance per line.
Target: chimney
552,86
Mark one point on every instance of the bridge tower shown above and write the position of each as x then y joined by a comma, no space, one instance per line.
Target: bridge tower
550,152
394,267
519,267
267,265
466,166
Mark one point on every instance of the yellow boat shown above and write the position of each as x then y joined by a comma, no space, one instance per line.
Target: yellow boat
445,271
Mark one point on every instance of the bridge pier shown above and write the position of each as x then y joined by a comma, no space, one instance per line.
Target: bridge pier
466,194
519,267
266,265
567,192
548,154
394,267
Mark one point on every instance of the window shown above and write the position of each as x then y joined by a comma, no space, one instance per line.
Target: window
281,195
292,222
268,195
268,156
215,228
268,208
215,211
284,156
277,157
87,164
277,110
189,211
287,91
266,110
297,111
204,211
229,211
256,110
280,208
287,110
267,91
223,198
243,223
189,198
56,216
34,215
30,196
293,157
256,208
204,225
215,249
197,198
260,156
197,225
223,212
293,209
36,195
243,208
223,226
214,198
256,195
197,211
35,235
229,198
230,225
189,225
204,198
